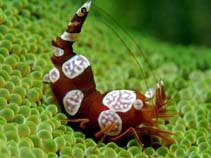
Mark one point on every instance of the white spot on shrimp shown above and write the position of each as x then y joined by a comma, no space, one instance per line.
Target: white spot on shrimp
74,23
119,100
54,75
46,78
106,118
69,36
72,101
75,66
58,51
138,104
150,93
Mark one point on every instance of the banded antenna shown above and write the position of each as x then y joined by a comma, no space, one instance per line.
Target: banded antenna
126,45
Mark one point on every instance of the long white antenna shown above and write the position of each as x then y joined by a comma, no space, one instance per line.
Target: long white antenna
129,50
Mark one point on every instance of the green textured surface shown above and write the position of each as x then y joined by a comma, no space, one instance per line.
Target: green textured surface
29,119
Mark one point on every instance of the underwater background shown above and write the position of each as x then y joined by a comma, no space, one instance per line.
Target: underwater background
181,21
30,122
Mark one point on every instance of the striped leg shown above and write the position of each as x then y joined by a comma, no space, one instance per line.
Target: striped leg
127,132
81,121
156,132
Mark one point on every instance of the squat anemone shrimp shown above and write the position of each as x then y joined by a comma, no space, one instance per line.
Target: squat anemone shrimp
110,116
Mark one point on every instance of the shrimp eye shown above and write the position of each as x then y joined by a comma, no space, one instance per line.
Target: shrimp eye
138,104
58,52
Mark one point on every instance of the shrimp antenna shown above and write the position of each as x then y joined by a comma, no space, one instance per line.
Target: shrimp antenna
133,40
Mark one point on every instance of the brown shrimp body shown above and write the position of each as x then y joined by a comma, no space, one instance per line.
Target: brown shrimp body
114,114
